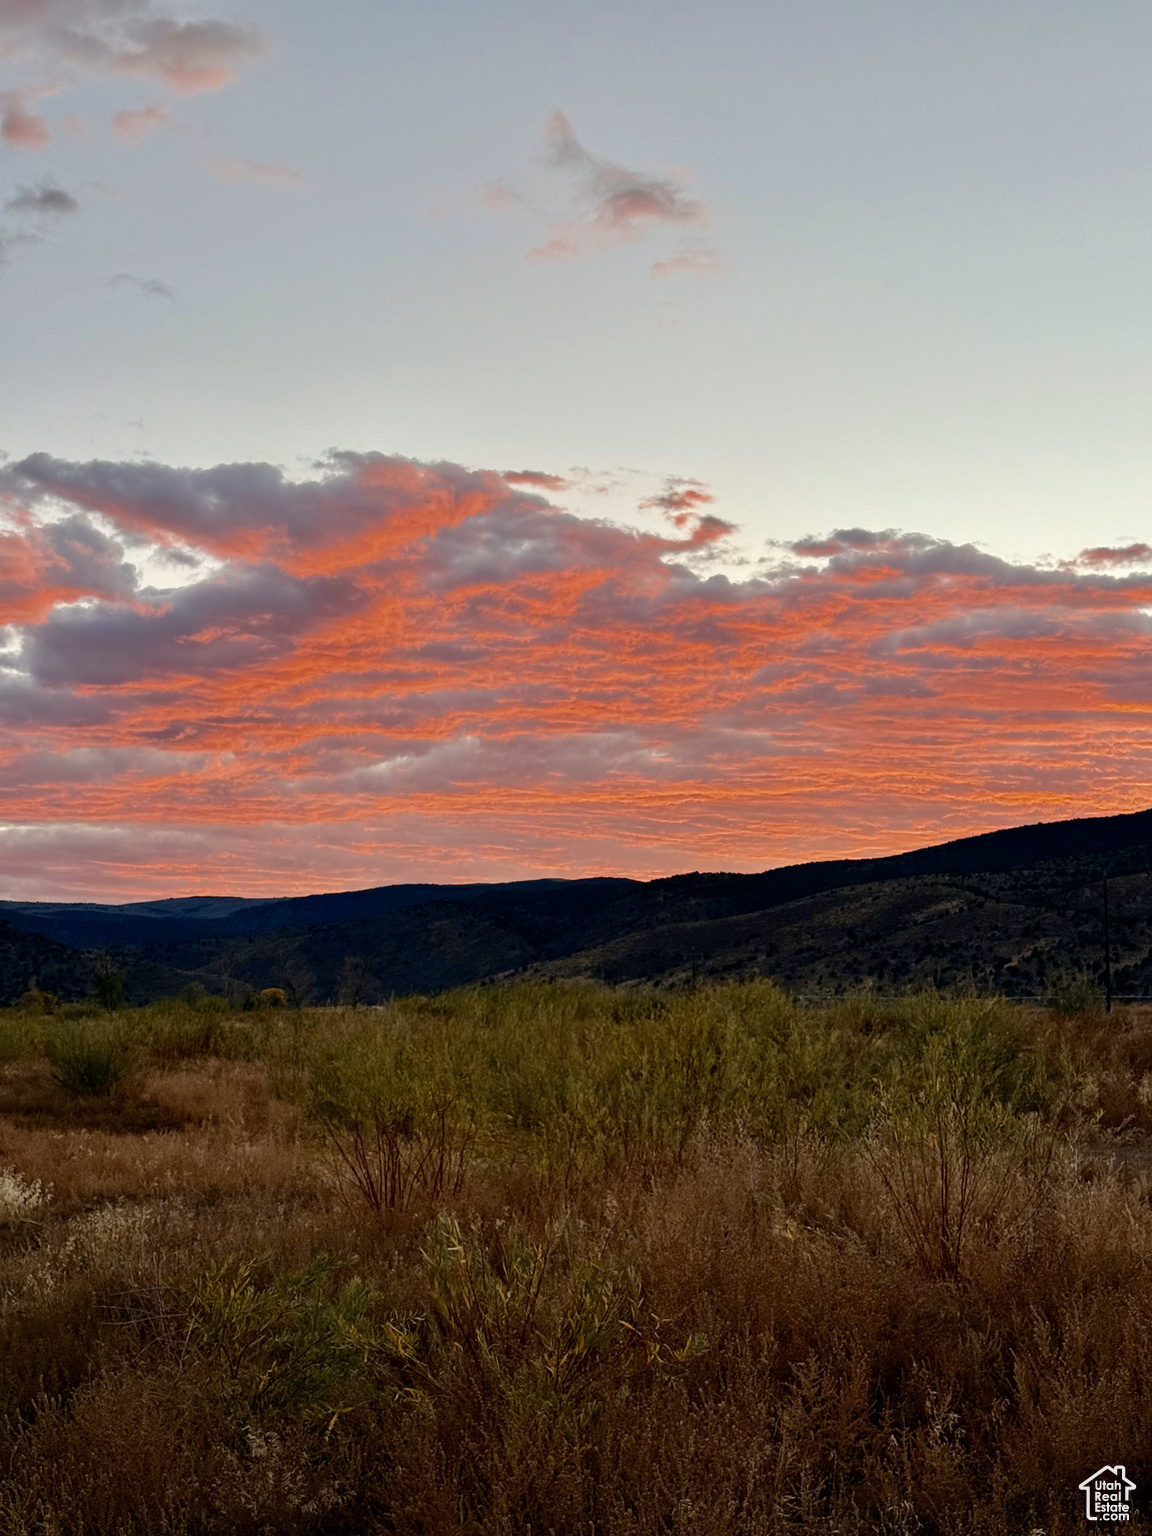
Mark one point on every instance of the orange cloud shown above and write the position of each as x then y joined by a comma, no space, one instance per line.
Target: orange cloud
399,670
1130,554
536,477
680,499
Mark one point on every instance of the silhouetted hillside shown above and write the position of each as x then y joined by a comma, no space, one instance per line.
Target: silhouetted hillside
142,923
28,959
1010,910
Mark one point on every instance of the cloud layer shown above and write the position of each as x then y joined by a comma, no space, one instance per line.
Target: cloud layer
224,679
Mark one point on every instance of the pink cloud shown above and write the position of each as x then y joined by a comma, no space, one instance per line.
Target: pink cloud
496,195
57,41
681,500
20,127
256,170
1130,554
133,126
605,203
701,261
188,56
535,477
135,38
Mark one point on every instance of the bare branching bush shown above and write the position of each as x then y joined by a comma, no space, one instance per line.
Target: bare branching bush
954,1173
957,1143
392,1160
392,1140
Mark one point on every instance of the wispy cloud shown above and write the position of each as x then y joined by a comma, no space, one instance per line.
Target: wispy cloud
536,477
393,669
612,205
43,198
256,170
604,204
680,498
690,261
134,126
147,287
30,213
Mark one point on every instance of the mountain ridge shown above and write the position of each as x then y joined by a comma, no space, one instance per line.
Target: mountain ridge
1008,909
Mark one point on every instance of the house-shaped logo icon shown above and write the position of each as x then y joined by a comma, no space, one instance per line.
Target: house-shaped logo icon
1108,1494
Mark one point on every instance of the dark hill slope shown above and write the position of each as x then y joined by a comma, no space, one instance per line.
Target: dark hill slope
1010,909
28,959
199,918
1010,932
1017,929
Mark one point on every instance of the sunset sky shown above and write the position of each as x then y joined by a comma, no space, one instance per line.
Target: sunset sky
465,442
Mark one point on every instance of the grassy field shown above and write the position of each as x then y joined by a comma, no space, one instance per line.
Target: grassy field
559,1259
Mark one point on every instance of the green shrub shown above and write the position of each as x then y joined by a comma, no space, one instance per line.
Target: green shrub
530,1326
194,1024
295,1343
107,982
395,1133
958,1141
1075,996
23,1035
90,1060
35,1001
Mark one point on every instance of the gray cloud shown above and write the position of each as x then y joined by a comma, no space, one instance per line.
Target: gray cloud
240,506
148,287
86,558
43,198
235,619
30,212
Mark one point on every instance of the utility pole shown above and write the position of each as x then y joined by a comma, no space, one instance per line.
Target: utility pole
1107,954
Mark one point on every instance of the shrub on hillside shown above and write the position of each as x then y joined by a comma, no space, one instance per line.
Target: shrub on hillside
1075,996
35,1001
108,981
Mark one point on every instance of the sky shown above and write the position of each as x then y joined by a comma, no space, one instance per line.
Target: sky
454,442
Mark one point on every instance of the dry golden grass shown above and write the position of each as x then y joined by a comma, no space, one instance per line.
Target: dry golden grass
605,1327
